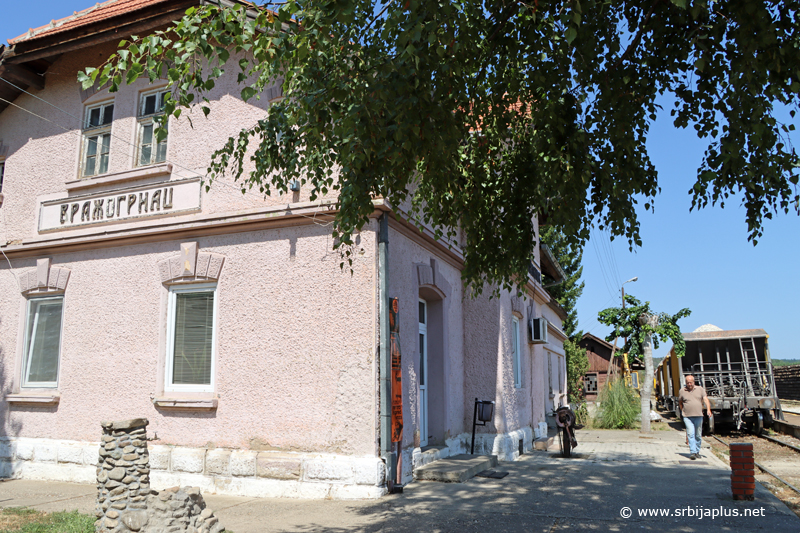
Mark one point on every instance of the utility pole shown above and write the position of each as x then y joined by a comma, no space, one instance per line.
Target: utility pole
611,367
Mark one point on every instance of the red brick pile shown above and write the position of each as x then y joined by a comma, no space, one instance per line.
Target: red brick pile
743,481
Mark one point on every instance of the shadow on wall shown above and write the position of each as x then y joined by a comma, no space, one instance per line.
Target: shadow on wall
8,427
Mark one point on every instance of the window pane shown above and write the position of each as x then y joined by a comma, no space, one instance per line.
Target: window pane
421,359
422,313
194,325
144,157
91,148
108,114
105,141
2,171
102,168
88,168
147,145
44,340
147,134
149,104
161,155
94,117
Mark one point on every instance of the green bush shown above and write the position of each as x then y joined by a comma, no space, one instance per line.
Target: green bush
619,406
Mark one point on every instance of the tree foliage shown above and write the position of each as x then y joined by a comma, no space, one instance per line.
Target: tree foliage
488,114
626,323
566,293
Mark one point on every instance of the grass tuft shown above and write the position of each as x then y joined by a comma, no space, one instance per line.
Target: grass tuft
24,520
619,406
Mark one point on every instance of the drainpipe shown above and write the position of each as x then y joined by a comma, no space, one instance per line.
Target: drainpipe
387,454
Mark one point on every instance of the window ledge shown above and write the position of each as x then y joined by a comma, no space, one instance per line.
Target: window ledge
119,177
191,404
34,398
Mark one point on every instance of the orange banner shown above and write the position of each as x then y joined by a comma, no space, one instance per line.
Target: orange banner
397,378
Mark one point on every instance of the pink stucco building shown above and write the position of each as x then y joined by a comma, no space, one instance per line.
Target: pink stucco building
127,290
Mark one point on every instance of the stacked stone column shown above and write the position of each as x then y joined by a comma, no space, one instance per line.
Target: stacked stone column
743,481
123,476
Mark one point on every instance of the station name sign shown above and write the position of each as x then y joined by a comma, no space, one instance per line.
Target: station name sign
122,205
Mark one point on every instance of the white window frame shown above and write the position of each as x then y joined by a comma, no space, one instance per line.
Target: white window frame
423,388
170,347
95,131
145,120
28,345
515,353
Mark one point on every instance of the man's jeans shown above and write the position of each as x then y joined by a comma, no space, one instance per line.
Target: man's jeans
694,431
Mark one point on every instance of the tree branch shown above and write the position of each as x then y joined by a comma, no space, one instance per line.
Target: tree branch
636,39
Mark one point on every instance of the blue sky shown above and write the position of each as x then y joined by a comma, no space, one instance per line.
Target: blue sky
700,260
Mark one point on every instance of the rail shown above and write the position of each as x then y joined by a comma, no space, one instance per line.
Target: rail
765,469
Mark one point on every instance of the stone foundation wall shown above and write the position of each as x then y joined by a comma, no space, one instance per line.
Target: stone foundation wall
180,509
221,471
123,476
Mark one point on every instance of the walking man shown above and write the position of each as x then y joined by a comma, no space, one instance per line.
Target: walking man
692,399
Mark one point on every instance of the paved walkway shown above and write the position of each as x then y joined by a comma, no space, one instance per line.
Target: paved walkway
611,472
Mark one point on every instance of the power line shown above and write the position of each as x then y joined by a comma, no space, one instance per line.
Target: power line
606,276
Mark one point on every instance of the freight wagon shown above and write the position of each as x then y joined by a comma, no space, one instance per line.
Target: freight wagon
735,369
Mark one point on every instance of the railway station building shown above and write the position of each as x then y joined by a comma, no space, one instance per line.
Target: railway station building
127,290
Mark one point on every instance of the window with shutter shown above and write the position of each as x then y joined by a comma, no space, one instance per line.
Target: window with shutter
191,334
43,342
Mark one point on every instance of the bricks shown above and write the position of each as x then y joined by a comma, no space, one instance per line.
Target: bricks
743,483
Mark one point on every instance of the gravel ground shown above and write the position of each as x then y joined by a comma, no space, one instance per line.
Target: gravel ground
783,461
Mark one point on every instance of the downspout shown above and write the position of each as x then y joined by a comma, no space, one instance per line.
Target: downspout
385,356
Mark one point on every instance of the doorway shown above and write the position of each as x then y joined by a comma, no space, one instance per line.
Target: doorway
423,372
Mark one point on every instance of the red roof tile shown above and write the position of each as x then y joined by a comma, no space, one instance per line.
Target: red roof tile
98,12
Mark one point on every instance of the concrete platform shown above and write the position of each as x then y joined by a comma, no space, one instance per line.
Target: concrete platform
456,469
616,481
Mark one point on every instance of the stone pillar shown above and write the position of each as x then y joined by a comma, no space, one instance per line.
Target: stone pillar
123,477
743,482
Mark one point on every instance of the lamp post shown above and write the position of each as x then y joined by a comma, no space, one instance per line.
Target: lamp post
635,278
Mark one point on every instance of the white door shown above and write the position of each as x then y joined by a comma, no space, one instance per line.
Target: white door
423,373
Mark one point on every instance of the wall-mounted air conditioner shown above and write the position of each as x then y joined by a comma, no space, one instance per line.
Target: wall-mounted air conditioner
537,330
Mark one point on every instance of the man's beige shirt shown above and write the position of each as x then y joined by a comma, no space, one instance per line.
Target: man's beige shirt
693,402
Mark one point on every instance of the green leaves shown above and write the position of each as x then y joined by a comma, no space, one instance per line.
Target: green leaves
480,117
626,323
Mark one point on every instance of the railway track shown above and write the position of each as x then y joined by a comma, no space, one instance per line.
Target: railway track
764,468
777,459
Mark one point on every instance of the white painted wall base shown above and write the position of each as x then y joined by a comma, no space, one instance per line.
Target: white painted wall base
504,445
219,471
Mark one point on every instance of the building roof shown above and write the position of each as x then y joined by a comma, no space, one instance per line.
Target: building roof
98,12
724,334
598,340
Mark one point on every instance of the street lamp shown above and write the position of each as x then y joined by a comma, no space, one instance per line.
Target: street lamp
635,278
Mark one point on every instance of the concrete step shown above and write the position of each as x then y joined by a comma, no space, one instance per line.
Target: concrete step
456,469
543,443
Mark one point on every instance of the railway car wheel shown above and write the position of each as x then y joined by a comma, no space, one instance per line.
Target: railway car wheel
756,424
